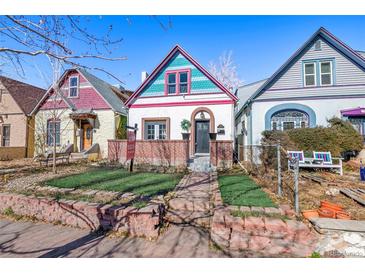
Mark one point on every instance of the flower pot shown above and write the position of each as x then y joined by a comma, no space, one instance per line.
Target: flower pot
213,136
332,206
343,215
326,213
313,213
185,136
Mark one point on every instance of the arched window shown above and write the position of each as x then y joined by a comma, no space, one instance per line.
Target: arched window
289,119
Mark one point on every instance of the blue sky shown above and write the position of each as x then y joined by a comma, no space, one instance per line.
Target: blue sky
260,44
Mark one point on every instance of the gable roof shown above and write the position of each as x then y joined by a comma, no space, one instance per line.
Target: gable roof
245,92
324,34
111,94
168,57
25,95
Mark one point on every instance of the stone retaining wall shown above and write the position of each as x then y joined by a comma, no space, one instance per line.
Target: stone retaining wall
279,236
144,222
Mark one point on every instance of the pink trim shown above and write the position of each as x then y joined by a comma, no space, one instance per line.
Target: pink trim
190,94
175,104
164,61
177,81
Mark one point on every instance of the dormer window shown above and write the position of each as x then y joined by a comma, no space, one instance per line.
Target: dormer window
177,82
73,86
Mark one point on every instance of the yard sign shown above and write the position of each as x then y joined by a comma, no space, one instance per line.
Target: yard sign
131,144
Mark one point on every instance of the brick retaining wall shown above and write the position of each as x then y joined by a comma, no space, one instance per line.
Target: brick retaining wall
153,152
142,222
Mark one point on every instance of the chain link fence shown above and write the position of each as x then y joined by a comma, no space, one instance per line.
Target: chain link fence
270,164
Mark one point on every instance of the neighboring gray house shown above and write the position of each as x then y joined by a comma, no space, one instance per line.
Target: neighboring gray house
324,78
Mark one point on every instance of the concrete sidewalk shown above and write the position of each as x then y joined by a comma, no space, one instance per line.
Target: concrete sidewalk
27,239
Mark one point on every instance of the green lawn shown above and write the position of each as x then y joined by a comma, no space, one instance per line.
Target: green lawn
240,190
147,184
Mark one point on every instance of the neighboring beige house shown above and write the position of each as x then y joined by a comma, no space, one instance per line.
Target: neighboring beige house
17,100
85,113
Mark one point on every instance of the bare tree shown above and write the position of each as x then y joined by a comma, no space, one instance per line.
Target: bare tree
65,41
225,71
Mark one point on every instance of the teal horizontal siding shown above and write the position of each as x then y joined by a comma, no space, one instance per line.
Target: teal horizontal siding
199,82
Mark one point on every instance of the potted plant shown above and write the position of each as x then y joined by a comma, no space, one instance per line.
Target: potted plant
185,126
213,136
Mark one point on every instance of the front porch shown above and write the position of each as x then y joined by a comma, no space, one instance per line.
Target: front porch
85,121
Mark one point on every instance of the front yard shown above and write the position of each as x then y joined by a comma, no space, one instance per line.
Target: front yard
241,190
119,180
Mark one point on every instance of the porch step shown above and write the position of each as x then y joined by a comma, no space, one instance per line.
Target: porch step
200,164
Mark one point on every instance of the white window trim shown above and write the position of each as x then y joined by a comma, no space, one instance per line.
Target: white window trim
77,87
314,74
156,130
330,73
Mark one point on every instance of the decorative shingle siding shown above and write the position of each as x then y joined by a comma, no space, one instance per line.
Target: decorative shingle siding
199,82
88,97
346,72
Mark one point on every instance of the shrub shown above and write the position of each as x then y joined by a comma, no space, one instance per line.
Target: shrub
338,137
268,154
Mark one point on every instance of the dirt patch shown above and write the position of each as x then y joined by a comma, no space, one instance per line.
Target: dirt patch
24,178
311,193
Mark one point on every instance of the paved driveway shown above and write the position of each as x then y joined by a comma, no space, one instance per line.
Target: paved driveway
27,239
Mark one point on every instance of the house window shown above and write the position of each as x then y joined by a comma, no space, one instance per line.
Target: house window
74,86
155,130
171,83
183,82
5,138
309,74
53,132
289,119
177,82
274,126
326,73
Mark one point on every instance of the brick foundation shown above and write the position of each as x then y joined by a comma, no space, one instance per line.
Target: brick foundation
221,154
143,222
154,152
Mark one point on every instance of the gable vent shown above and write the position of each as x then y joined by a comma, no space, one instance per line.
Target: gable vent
318,45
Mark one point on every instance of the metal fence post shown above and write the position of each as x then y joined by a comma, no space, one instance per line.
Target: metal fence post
279,168
296,186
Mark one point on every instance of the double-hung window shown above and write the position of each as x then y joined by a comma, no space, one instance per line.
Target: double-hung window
53,132
5,138
155,130
325,70
73,86
171,83
183,82
177,82
310,74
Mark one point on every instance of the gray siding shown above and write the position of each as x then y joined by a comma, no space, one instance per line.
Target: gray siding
346,72
313,92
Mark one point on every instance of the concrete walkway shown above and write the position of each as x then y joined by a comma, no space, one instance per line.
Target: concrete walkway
27,239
